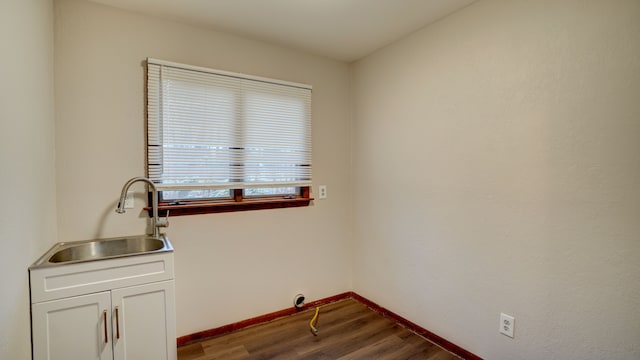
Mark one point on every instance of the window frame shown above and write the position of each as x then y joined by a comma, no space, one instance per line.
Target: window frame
237,201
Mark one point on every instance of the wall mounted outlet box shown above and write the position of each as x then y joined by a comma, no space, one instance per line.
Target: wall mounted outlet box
507,323
322,191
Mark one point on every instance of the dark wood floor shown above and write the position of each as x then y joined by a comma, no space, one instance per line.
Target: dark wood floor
347,330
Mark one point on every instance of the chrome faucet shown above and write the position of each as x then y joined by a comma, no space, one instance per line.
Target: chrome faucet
156,222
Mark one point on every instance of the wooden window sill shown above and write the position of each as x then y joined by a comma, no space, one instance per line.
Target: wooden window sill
213,206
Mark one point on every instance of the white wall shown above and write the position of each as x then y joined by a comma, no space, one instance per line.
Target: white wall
514,128
517,123
229,267
27,173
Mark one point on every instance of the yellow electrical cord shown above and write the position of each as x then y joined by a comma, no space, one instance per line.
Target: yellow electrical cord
314,322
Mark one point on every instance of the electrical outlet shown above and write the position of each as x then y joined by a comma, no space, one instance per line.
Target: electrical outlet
322,190
507,323
128,200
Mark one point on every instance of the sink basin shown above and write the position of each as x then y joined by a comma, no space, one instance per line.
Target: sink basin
92,250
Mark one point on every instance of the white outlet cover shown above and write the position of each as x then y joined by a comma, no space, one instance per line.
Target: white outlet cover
322,189
507,324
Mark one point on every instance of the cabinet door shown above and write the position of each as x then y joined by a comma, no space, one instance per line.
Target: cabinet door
144,325
76,328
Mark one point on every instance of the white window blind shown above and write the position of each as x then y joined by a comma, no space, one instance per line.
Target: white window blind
211,129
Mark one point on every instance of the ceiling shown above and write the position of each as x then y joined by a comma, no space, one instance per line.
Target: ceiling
344,30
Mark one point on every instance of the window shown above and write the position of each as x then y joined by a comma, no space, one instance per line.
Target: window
221,141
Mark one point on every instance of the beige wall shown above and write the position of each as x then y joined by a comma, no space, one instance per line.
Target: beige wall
513,131
515,124
229,267
27,173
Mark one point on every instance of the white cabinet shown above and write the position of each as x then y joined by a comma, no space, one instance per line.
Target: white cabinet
144,322
126,313
77,328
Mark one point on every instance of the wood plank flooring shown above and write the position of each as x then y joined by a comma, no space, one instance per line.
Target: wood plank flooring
347,330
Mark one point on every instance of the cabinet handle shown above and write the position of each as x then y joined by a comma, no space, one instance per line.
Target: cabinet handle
117,324
104,318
